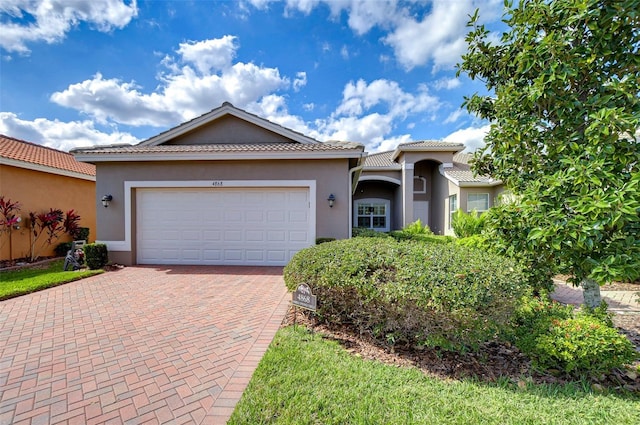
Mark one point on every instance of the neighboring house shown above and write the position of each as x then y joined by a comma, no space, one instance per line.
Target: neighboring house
227,187
232,188
40,178
426,180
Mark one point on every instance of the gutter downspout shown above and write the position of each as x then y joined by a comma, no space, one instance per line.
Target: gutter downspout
354,176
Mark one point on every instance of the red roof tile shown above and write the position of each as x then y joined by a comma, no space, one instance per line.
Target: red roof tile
19,150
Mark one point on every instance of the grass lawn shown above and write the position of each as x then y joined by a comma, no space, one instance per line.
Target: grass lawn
24,281
304,379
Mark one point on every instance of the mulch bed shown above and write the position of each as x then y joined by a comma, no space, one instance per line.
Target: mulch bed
495,360
19,263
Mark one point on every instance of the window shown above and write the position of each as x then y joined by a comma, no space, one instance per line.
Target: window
372,214
419,185
453,206
478,202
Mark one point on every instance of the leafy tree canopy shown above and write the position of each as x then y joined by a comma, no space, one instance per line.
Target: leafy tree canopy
565,125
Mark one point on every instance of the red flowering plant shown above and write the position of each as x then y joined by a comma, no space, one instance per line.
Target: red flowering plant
72,224
51,225
9,215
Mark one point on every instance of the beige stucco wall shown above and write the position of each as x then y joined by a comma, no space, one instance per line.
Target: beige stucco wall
330,175
228,129
37,192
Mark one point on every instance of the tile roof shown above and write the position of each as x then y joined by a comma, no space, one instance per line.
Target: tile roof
380,160
462,157
220,148
461,171
430,144
31,153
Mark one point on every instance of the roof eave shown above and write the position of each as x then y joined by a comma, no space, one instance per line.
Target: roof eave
214,156
447,148
46,169
383,168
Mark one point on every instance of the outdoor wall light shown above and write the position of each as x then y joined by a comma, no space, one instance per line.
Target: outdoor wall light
106,199
332,200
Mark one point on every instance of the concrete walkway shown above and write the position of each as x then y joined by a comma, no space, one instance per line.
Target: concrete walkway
622,302
143,345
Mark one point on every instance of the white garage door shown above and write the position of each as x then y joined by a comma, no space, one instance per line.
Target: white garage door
233,226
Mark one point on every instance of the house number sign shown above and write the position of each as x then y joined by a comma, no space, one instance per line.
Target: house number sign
302,297
218,183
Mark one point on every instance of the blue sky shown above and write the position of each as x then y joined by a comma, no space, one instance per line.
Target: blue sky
81,73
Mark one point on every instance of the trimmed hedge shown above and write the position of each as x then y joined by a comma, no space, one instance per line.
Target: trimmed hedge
408,292
96,255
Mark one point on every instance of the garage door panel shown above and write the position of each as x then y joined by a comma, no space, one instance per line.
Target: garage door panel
254,236
212,235
237,226
298,236
276,216
276,236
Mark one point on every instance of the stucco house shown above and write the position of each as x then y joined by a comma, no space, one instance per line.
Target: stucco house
426,180
232,188
40,178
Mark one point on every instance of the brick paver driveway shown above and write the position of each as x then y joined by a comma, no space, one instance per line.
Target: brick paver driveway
141,345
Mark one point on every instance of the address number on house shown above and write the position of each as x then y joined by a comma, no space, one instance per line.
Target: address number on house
303,297
217,183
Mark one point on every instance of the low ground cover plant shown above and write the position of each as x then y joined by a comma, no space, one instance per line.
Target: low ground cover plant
556,337
406,292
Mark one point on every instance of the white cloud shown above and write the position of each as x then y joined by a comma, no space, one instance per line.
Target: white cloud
183,93
360,96
439,36
447,83
454,116
344,52
274,109
472,137
27,21
416,38
300,81
60,135
209,55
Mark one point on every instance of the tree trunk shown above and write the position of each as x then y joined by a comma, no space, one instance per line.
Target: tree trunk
591,293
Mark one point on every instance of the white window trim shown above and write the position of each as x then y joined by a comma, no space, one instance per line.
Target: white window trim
488,202
387,209
451,212
424,184
126,244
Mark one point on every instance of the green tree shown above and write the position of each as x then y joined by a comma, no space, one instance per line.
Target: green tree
565,125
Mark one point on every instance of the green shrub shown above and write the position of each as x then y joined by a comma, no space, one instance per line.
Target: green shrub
473,241
96,255
583,344
323,240
467,224
416,228
503,227
82,234
556,338
533,317
407,292
62,248
401,235
367,233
